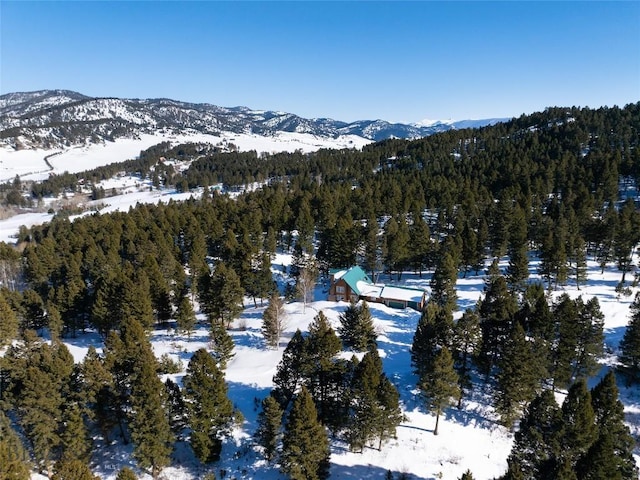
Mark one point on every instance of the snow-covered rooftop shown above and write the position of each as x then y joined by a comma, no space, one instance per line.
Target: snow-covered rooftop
390,292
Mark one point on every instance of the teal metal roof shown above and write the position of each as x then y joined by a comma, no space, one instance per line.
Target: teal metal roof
353,276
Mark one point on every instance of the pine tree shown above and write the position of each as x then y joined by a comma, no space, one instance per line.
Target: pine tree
54,322
600,462
356,327
497,310
579,342
221,345
578,417
434,331
305,446
75,439
274,321
420,241
8,322
609,413
440,384
72,469
565,312
149,421
39,375
579,257
590,338
537,446
34,313
291,370
261,283
390,412
606,226
395,240
626,237
364,334
469,252
518,269
126,353
443,283
348,321
559,252
519,376
322,346
305,225
185,317
97,392
371,253
465,344
14,459
535,316
176,407
269,426
630,344
221,294
466,475
375,404
210,410
364,413
126,473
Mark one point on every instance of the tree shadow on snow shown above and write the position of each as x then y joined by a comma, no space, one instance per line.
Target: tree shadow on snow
362,472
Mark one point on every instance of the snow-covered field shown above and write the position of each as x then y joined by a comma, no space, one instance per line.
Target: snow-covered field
30,164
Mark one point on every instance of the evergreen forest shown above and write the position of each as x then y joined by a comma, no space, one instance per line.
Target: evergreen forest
556,189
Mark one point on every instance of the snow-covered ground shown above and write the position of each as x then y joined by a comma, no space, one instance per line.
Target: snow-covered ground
469,438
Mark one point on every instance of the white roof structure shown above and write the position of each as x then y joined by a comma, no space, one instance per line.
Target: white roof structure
369,290
399,293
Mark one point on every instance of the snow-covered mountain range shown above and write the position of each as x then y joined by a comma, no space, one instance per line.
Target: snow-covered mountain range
59,118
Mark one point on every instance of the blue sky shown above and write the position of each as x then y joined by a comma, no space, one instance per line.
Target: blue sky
398,61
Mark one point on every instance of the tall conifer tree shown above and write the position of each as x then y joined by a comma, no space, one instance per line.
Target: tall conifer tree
519,376
578,416
537,446
291,370
609,414
149,424
440,384
305,446
210,410
269,427
630,344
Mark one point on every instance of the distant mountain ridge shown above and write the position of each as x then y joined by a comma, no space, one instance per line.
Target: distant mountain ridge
58,118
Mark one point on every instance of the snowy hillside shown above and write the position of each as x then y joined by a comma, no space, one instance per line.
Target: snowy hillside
59,118
37,165
30,164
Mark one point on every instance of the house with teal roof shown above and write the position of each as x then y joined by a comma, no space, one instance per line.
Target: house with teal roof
345,284
353,284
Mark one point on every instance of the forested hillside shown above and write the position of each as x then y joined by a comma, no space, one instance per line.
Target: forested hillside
559,187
